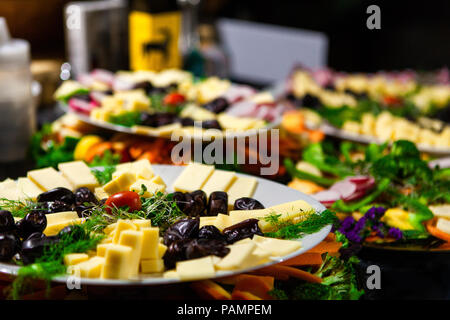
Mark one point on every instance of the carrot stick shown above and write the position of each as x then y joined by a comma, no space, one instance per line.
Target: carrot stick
330,237
210,290
330,247
243,295
278,270
436,232
256,285
270,271
306,259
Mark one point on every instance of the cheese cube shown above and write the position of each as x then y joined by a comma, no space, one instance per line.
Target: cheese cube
100,193
171,274
287,211
132,239
162,131
75,258
122,225
207,221
117,262
28,189
141,223
193,177
277,247
158,180
241,187
152,266
143,169
222,221
236,123
78,174
161,250
219,181
196,269
101,249
239,257
110,228
48,179
58,217
91,268
151,188
121,183
150,243
10,191
53,229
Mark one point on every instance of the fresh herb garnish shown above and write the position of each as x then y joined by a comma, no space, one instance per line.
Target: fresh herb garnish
126,119
18,208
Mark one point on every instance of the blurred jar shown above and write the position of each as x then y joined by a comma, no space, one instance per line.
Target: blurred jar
18,116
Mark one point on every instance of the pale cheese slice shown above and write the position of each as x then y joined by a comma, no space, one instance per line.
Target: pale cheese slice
239,257
277,247
28,189
219,181
196,269
193,177
48,179
241,187
78,174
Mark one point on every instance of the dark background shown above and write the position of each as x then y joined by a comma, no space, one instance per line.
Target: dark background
414,34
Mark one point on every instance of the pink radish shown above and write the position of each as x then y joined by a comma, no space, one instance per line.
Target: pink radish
344,188
327,196
82,106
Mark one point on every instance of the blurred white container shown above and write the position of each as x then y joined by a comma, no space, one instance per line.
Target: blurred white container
17,111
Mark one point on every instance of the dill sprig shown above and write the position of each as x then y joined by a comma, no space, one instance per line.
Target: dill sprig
18,208
291,230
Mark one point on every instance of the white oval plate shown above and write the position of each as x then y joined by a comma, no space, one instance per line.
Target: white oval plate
110,126
269,193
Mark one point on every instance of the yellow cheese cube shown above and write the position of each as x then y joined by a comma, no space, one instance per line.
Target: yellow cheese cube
161,250
138,104
141,223
48,179
101,249
150,188
277,247
100,193
110,228
121,183
207,221
143,169
53,229
91,268
219,181
241,187
28,189
152,266
193,177
222,221
196,269
171,274
197,113
158,180
58,217
75,258
122,225
150,243
163,131
240,256
117,262
78,174
133,239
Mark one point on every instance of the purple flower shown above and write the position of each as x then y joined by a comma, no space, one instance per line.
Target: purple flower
360,224
371,213
395,233
347,224
378,228
353,237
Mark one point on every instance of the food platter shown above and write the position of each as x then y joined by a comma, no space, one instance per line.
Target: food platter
205,136
366,139
268,192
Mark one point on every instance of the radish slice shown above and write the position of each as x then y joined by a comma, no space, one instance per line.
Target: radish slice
97,97
104,76
327,196
366,186
355,196
358,179
81,106
344,188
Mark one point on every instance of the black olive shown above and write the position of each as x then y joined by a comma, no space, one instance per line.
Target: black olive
310,101
84,195
8,246
198,248
84,211
217,105
33,248
34,221
247,204
245,229
57,194
146,85
181,230
211,124
357,95
165,118
53,207
179,199
198,203
148,119
211,233
176,251
7,222
75,231
187,122
38,235
218,203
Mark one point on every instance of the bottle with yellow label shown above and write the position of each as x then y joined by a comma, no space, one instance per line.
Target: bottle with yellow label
154,32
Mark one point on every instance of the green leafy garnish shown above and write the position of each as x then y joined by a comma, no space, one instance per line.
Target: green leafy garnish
18,208
126,119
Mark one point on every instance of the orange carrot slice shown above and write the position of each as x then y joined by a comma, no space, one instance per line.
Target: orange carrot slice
210,290
306,259
277,271
323,247
256,285
243,295
431,228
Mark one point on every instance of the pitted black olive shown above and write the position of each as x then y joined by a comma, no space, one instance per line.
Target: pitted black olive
7,222
182,229
218,203
8,246
34,221
179,199
217,105
38,235
52,207
310,101
357,95
148,119
198,248
186,122
175,252
165,118
75,231
84,195
245,229
198,203
211,124
247,204
211,233
57,194
146,85
33,248
84,211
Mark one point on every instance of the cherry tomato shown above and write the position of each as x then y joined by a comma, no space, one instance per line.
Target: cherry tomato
174,99
391,100
129,199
